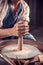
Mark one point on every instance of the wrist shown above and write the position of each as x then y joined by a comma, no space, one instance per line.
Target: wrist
12,32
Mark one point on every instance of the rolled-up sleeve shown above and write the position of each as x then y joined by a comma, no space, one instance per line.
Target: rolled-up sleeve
25,12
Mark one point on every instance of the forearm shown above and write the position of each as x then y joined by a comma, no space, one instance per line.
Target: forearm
5,32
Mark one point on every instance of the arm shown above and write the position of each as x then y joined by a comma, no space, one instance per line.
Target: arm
9,32
19,28
5,33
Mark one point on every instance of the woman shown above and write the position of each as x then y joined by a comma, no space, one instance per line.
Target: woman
14,19
9,18
5,9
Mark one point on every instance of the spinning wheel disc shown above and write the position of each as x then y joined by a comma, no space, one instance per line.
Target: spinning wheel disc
28,51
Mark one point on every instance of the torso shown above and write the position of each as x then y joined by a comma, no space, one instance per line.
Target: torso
9,20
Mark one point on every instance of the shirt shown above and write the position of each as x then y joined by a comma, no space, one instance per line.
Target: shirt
3,10
22,13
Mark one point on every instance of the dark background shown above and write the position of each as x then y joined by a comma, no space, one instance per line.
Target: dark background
36,12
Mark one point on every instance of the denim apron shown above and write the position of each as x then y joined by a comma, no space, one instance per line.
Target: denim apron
9,19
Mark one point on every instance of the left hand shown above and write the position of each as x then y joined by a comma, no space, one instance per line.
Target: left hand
23,27
20,28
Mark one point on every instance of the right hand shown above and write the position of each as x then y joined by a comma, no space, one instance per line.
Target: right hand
20,28
41,58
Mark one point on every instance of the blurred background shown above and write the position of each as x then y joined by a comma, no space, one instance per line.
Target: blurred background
36,18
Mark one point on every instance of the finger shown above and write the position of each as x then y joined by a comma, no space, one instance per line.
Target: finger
22,25
23,28
23,22
22,32
20,22
26,27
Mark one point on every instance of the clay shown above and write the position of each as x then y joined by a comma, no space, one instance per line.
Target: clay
28,51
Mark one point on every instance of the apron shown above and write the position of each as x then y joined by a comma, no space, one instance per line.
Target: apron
10,20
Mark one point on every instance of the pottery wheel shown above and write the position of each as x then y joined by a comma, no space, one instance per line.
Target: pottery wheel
28,51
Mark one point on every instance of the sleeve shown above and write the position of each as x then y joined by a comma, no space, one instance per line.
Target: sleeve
25,11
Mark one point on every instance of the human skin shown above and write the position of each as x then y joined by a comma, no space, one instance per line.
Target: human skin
17,29
20,28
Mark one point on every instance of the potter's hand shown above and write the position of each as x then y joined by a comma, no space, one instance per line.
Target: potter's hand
20,28
38,58
41,58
